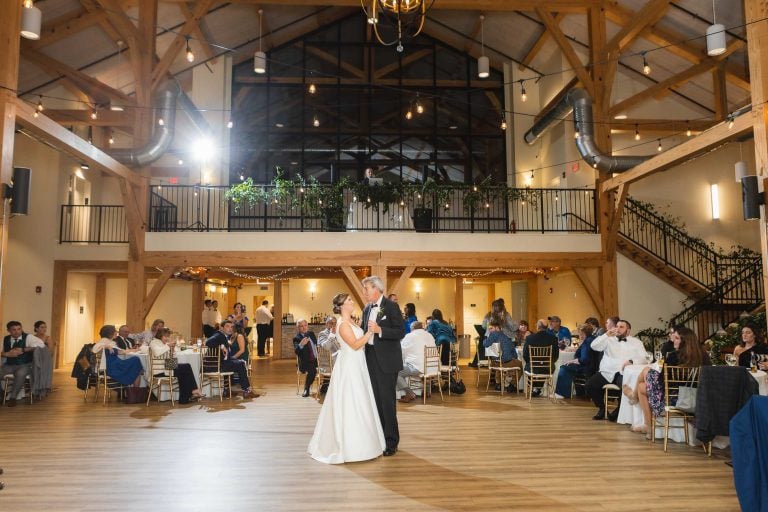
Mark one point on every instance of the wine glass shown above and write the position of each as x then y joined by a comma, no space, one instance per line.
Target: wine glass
199,344
730,360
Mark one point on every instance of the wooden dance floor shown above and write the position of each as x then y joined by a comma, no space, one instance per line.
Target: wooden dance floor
477,451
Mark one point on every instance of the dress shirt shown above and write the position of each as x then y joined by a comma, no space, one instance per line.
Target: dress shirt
375,307
413,348
209,317
158,348
102,344
615,352
263,316
144,337
34,342
328,341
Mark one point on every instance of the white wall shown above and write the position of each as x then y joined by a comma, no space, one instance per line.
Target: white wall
563,295
78,329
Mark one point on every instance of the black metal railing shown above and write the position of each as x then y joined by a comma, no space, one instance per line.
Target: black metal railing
195,208
93,224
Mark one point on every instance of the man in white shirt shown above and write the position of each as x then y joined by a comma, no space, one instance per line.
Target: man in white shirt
413,358
208,319
263,319
327,337
619,350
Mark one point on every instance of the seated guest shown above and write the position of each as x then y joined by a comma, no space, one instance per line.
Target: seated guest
669,345
220,341
41,332
123,338
162,344
412,346
541,338
305,347
144,337
18,358
125,371
208,319
619,350
687,351
238,347
751,343
327,337
576,366
562,333
523,331
508,357
595,323
443,334
409,314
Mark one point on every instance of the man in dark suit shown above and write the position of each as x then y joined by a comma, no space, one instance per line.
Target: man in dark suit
228,364
122,339
541,339
305,346
384,356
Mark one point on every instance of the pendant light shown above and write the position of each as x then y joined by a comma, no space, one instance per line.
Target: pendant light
741,167
483,65
715,36
189,54
31,21
260,58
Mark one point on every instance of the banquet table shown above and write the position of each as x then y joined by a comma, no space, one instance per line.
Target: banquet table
190,356
563,357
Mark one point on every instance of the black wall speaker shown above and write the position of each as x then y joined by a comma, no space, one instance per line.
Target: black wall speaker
751,198
22,178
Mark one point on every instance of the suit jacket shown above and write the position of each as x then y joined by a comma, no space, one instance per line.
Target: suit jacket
387,349
124,343
305,353
217,340
541,339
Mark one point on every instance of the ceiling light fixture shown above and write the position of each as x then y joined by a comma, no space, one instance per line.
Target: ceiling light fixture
31,20
637,133
503,121
40,104
659,148
260,58
715,36
688,130
190,55
419,106
483,65
315,121
646,67
523,94
400,19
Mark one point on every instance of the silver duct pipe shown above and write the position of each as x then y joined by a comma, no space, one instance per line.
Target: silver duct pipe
579,102
162,136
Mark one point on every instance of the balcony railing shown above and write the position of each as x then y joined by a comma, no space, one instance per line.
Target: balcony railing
194,208
93,224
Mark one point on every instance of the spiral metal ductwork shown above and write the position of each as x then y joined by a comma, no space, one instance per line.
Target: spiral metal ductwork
166,97
579,102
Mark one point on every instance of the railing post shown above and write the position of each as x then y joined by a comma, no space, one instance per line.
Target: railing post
61,224
98,236
541,208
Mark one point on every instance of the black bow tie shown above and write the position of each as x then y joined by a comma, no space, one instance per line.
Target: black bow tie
622,339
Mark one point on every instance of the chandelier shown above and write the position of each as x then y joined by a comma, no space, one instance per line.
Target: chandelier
395,20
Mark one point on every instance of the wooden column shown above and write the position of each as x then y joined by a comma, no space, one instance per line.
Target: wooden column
198,295
277,330
459,305
9,78
100,304
755,12
59,308
137,289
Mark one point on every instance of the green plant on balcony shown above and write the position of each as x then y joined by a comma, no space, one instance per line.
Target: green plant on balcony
325,201
246,192
426,197
379,195
282,193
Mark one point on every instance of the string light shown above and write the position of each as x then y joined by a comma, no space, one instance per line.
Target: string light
503,121
409,113
40,104
419,106
160,121
646,67
688,130
637,133
450,273
181,162
312,89
730,122
94,114
111,138
315,121
659,146
576,134
190,55
523,94
230,123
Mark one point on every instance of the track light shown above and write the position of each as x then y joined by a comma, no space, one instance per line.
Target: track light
646,67
190,55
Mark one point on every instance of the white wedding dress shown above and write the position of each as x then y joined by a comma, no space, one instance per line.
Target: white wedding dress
348,428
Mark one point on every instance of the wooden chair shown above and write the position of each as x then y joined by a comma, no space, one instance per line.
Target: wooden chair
301,375
8,383
610,392
210,371
324,368
157,365
102,379
452,368
429,374
674,378
496,365
539,370
481,368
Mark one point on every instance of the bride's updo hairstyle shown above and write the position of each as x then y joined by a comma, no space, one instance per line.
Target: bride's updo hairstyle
338,301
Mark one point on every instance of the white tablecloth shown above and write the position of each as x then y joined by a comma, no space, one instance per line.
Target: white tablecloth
190,357
562,358
396,217
762,381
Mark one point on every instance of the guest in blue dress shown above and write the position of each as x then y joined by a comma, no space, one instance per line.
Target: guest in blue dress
125,371
409,312
578,365
443,334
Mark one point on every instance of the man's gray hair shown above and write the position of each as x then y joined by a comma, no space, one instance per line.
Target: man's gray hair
375,281
541,324
301,321
416,325
330,319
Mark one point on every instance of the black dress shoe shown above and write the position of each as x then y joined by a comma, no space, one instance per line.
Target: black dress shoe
390,452
613,416
305,394
600,415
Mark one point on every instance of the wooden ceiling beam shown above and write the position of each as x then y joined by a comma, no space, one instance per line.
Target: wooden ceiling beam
83,117
125,28
565,46
179,42
99,91
459,5
720,91
675,80
539,44
646,17
323,55
106,25
472,35
66,26
199,36
698,145
404,61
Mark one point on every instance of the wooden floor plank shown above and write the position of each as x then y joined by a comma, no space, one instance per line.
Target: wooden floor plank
477,451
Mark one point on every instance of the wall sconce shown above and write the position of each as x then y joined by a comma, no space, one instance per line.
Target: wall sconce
418,291
223,289
715,198
213,288
312,290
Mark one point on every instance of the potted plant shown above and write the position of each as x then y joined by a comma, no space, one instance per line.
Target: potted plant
326,201
426,197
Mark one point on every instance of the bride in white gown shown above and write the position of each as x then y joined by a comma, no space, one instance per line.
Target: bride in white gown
348,428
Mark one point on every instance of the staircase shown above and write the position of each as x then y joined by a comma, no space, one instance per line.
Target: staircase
722,286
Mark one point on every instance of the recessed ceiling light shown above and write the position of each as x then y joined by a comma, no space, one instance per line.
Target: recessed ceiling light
279,125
